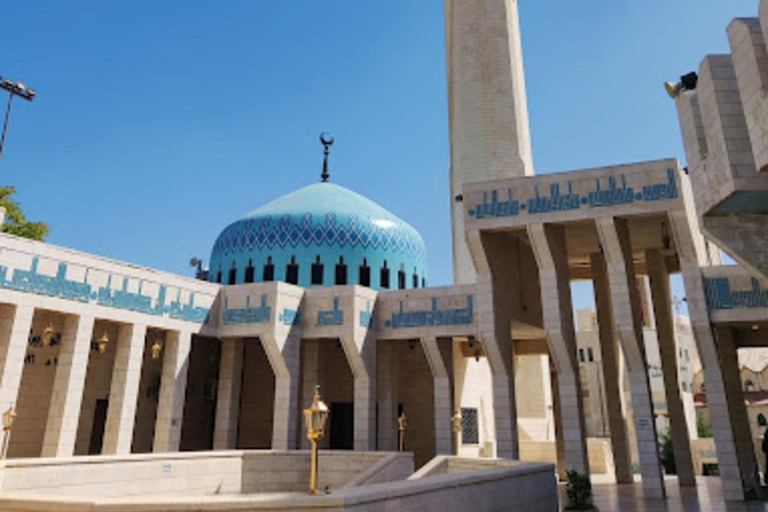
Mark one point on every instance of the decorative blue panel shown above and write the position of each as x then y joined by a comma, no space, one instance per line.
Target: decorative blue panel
59,286
557,201
433,317
247,315
331,318
290,317
720,296
366,317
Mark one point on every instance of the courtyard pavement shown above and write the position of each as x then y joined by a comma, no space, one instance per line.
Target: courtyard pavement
705,497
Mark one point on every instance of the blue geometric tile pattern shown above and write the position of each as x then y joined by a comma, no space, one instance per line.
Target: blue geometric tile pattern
323,220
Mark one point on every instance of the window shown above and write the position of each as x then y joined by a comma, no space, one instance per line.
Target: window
470,431
401,279
341,271
415,280
761,421
269,271
364,277
685,386
384,276
581,355
233,274
590,355
218,276
749,386
423,282
250,272
318,269
292,272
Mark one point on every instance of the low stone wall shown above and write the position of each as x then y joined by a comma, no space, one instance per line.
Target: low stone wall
112,476
498,487
599,449
267,471
199,473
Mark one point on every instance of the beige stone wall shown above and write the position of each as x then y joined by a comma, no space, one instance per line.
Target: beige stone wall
472,388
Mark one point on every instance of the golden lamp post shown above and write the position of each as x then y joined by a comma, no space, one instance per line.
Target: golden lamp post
402,422
457,425
315,418
8,417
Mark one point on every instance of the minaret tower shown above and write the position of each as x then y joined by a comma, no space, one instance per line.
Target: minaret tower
490,136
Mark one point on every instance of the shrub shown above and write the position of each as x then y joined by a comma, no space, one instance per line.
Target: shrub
578,491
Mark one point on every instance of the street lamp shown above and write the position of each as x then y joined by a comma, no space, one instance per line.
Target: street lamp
8,417
314,418
456,422
402,422
15,89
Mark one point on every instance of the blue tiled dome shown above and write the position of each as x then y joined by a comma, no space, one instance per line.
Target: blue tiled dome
322,224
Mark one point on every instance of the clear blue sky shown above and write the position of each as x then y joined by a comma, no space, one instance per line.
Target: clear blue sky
158,123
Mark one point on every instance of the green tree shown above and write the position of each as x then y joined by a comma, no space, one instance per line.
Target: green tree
16,222
667,454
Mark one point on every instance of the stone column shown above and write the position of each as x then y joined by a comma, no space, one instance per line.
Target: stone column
387,394
561,464
68,386
738,467
284,352
612,376
15,324
665,330
173,386
443,394
734,400
549,245
124,390
360,349
228,395
310,377
497,292
615,240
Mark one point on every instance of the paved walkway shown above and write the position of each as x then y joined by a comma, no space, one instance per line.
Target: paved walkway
705,497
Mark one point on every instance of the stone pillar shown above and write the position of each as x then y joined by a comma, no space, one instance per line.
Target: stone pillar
284,352
561,464
615,240
68,386
612,376
228,395
734,400
497,294
173,385
124,390
665,330
310,377
360,349
387,394
490,136
443,397
549,245
15,324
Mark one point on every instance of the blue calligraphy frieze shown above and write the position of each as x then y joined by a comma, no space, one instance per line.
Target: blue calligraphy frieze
720,296
58,286
331,318
248,314
433,317
605,194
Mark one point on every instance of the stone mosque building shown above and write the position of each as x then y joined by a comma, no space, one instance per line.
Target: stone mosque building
323,286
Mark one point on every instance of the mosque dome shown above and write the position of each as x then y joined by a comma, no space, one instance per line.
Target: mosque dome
321,235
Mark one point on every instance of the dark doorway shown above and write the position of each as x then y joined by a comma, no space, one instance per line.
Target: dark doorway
342,426
97,429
